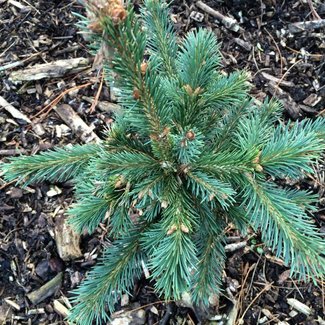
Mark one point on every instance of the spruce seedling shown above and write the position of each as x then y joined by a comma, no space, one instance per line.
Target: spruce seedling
190,153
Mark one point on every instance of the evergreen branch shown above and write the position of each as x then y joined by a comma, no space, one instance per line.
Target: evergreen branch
58,165
120,221
291,151
207,279
121,138
188,146
229,124
237,215
172,248
161,38
107,281
97,199
226,89
209,189
198,59
285,227
225,165
131,165
87,213
128,42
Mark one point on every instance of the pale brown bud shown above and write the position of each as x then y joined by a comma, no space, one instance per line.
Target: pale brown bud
184,228
143,67
190,135
118,14
171,230
258,168
188,89
197,91
257,158
136,93
95,27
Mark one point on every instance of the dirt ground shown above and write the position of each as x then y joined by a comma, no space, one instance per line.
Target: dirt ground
283,60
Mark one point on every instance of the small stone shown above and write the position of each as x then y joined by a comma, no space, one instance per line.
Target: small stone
31,91
213,300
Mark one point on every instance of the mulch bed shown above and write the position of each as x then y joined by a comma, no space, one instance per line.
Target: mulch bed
282,64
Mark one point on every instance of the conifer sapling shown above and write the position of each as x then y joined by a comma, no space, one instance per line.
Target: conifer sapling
190,153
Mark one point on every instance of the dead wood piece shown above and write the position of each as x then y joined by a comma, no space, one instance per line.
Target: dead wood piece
13,111
228,22
77,125
47,290
18,5
50,70
312,100
12,152
233,247
60,308
299,306
12,304
245,45
277,80
104,106
5,313
67,240
291,107
300,27
232,316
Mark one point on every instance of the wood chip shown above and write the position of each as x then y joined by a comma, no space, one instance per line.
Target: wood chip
289,104
277,80
235,246
12,304
13,111
50,70
18,5
105,106
300,27
228,22
47,290
60,308
284,276
197,16
67,240
245,45
312,100
74,121
299,306
36,311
